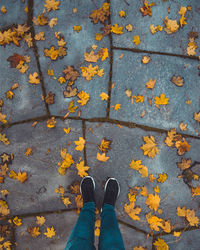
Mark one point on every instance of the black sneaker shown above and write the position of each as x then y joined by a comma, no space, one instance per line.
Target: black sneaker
87,188
112,191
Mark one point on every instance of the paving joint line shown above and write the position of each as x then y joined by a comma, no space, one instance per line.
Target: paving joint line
84,150
111,67
134,50
35,49
132,227
101,120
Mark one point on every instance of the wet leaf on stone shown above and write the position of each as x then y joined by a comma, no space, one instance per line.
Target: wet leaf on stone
177,80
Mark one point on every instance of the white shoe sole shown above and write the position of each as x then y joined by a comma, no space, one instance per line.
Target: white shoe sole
85,178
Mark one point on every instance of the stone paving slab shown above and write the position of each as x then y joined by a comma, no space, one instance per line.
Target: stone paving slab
27,102
62,223
15,13
130,73
37,193
189,239
160,41
125,146
77,45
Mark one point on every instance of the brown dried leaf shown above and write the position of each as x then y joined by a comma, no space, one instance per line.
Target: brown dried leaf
70,92
177,80
49,99
70,73
184,164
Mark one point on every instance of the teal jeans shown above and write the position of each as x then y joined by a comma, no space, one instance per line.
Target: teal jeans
82,235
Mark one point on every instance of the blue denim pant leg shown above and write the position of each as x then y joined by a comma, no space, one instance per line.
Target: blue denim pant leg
82,235
110,236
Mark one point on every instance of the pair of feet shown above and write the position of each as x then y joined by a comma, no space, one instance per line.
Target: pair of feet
111,190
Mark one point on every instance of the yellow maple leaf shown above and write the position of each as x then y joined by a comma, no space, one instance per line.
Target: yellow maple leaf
154,222
132,212
22,177
12,174
162,100
196,191
84,98
157,189
149,148
160,244
80,144
154,29
150,84
171,25
117,106
116,29
146,59
122,13
136,40
66,201
51,123
153,201
4,139
3,9
100,73
51,5
33,78
2,118
182,146
71,108
176,234
40,36
191,218
89,72
77,28
162,178
17,221
103,53
144,191
50,72
53,22
197,116
34,231
182,21
105,145
104,96
182,12
9,94
50,232
102,157
28,151
91,57
138,98
82,169
40,220
52,53
67,130
139,167
61,79
181,211
98,36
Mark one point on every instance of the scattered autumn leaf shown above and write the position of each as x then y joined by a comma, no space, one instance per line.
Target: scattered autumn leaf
136,40
80,144
104,96
84,98
160,244
177,80
102,157
183,126
34,78
149,148
146,8
117,29
51,5
153,201
146,59
82,169
40,220
162,100
162,178
50,232
150,84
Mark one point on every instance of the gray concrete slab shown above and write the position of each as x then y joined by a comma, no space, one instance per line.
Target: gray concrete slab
125,146
173,43
62,224
187,240
14,14
77,44
130,73
38,192
27,102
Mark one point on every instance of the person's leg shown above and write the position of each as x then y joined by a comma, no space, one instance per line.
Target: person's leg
110,235
82,235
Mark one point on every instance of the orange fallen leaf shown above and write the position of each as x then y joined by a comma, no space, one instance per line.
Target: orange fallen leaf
50,232
22,177
149,148
80,144
102,157
153,201
150,84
